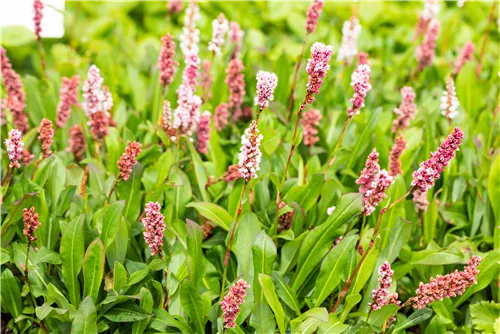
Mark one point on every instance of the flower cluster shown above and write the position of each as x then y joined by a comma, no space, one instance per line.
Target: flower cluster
220,26
206,79
96,97
28,157
15,100
154,224
174,6
190,34
420,201
187,113
128,159
45,135
381,295
31,223
310,121
373,183
68,97
99,124
233,173
449,100
14,148
430,170
166,62
266,83
466,55
406,111
317,66
232,301
360,81
235,81
250,155
349,46
395,155
447,286
76,142
37,18
363,59
429,13
167,120
236,38
426,51
203,133
285,220
313,13
190,73
221,116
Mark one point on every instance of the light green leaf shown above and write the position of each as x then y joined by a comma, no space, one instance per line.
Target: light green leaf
72,251
85,321
266,283
193,305
93,269
213,212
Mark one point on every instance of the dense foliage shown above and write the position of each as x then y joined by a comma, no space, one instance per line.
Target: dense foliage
160,193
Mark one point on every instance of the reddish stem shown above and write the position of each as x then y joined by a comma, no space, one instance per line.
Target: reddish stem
485,38
294,83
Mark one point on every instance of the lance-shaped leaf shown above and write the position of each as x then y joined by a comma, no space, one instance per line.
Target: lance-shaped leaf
72,250
93,269
85,320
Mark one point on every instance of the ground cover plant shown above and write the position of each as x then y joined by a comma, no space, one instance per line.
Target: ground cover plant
252,167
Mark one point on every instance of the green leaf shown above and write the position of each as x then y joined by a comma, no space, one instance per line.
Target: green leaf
93,269
11,294
199,171
117,251
109,222
266,283
85,321
192,304
147,305
264,255
17,36
333,326
308,195
262,319
244,237
113,149
129,191
310,320
213,212
414,319
194,253
333,264
484,314
72,250
119,276
285,292
163,320
127,312
494,194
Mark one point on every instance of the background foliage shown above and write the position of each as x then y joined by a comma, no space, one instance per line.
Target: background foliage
93,272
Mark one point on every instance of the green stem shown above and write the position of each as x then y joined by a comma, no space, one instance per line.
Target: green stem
294,82
337,146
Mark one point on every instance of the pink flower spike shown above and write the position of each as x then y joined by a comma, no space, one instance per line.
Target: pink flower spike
190,35
313,13
266,83
430,170
203,133
360,81
449,100
349,46
363,59
406,111
221,116
76,142
250,155
46,133
466,55
99,125
68,97
317,67
37,18
426,51
174,6
381,295
235,81
154,224
14,148
310,121
447,286
220,26
236,38
369,173
395,155
128,159
166,62
232,301
97,98
31,223
420,201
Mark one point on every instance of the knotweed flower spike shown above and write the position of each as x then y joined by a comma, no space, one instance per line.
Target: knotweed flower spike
420,201
14,148
167,122
76,142
381,295
449,100
187,113
232,301
363,59
317,67
250,155
313,13
31,223
236,38
310,121
235,81
68,97
406,111
27,157
360,81
45,135
190,35
447,286
220,26
166,59
373,183
232,174
128,159
221,116
466,55
190,73
285,220
430,170
266,83
203,133
429,13
154,224
395,155
174,6
15,100
37,18
426,51
96,97
349,46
